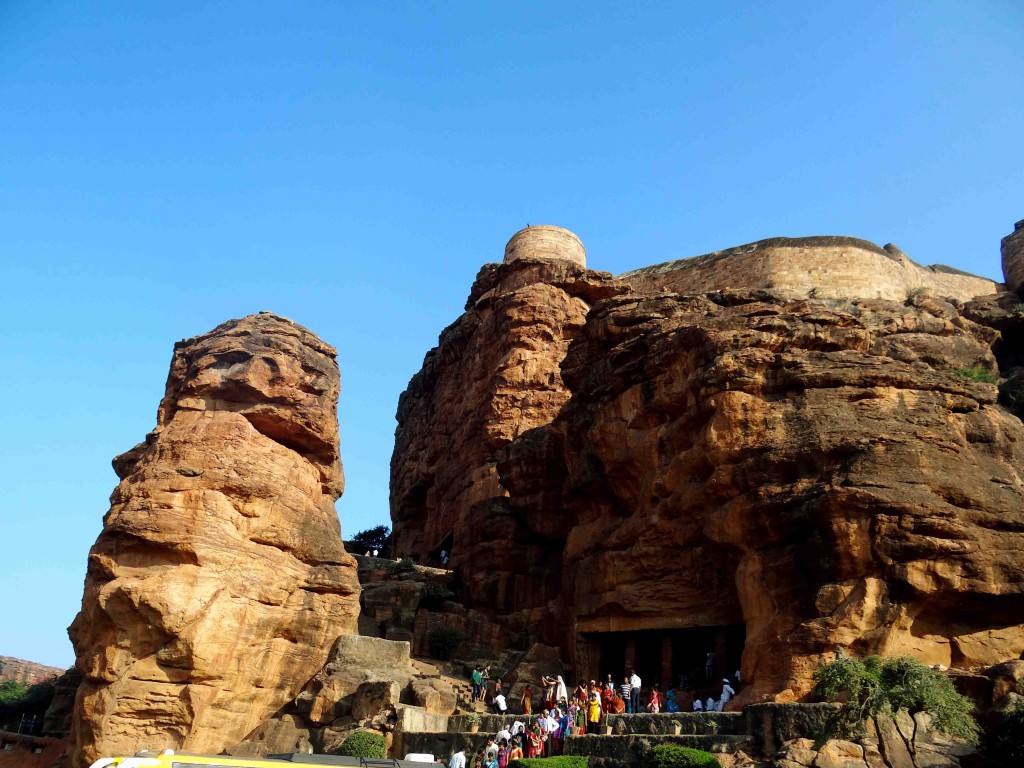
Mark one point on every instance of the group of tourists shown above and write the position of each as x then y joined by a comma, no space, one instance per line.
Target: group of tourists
540,737
568,715
590,701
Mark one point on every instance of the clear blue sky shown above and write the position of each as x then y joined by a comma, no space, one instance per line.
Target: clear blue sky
167,166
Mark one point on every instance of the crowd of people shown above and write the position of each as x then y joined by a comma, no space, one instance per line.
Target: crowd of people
568,715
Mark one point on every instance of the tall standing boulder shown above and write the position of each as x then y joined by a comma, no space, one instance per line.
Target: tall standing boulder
219,581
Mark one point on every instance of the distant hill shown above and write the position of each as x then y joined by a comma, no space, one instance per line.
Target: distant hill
28,672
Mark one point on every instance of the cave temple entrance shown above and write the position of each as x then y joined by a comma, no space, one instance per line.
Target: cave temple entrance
665,656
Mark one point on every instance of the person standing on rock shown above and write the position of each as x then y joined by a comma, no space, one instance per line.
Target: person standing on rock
478,680
550,689
561,693
527,699
634,691
485,675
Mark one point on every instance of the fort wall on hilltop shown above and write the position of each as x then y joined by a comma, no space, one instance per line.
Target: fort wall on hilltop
823,267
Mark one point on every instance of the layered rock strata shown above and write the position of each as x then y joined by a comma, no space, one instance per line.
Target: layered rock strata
219,582
824,474
816,471
495,375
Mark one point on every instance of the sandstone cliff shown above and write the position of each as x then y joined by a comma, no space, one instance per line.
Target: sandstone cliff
808,475
27,672
816,471
219,582
494,376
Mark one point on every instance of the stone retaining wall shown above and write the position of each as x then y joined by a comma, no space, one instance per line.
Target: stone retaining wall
629,750
725,723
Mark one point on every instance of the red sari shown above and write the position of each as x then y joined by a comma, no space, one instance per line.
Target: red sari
532,744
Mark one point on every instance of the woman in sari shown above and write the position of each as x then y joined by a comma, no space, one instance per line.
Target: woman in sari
527,699
533,741
607,693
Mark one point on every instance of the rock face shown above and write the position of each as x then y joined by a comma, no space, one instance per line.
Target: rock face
219,582
27,672
495,375
767,477
814,471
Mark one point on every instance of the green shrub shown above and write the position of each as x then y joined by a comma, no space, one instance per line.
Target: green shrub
562,761
874,686
404,565
364,744
673,756
917,291
442,642
977,373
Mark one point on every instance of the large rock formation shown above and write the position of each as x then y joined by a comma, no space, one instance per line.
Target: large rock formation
817,472
219,582
495,375
774,478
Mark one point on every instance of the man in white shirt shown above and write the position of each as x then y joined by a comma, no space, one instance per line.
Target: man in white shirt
458,760
634,691
500,707
504,733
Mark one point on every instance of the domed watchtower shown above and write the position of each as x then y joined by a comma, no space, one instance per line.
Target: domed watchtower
1013,257
543,241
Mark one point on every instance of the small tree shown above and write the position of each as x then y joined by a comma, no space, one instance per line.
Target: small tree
875,686
370,539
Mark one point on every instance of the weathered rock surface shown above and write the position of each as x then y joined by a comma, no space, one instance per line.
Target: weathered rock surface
355,662
816,471
27,672
495,375
219,581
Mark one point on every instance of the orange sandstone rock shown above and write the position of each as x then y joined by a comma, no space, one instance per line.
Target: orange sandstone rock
812,471
219,581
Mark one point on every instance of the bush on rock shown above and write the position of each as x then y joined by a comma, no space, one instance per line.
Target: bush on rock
561,761
673,756
364,744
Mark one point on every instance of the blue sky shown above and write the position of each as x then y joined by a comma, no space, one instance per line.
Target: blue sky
167,166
